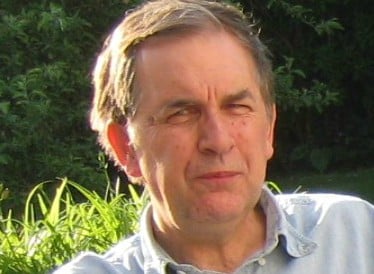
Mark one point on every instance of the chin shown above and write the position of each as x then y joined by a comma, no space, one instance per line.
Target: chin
219,209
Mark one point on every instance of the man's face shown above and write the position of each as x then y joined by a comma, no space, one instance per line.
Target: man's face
201,133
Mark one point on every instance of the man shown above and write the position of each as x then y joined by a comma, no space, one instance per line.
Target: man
184,103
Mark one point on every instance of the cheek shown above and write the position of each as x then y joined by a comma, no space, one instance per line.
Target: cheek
175,149
164,147
251,136
178,148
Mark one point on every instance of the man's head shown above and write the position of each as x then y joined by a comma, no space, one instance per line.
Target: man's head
114,76
183,100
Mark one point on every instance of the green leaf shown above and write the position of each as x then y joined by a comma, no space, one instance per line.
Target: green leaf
4,107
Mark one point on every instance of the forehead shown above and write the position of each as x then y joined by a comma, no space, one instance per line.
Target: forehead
214,60
192,41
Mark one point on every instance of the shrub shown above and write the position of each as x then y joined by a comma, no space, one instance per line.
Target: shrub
46,52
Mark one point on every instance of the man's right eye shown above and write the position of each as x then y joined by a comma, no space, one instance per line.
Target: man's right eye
184,115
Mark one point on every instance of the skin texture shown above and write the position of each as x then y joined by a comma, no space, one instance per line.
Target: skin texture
200,139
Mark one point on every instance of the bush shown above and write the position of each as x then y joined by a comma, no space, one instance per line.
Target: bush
323,69
46,52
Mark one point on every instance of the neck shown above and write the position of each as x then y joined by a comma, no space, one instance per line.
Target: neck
216,247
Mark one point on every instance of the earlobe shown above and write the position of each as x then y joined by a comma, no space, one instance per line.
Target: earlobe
124,153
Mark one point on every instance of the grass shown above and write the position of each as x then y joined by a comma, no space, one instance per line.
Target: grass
358,182
54,230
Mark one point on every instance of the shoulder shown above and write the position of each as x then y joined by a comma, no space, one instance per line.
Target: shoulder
86,263
122,258
126,252
312,211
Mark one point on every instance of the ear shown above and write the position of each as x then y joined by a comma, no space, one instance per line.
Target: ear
270,133
124,152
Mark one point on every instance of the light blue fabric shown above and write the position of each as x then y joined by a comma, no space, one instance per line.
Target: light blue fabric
306,234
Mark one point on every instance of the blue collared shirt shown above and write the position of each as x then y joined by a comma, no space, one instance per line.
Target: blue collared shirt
306,233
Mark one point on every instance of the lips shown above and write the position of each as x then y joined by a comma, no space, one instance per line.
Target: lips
218,175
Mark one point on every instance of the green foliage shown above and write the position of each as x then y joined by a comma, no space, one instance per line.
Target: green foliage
307,16
317,96
63,227
46,51
320,158
324,75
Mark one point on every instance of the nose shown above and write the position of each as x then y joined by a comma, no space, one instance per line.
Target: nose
215,135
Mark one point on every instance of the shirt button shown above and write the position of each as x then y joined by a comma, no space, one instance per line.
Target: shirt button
261,261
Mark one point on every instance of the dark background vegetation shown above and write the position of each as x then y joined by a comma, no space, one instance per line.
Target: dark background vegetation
323,59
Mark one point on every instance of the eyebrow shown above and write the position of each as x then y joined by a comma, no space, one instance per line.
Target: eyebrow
183,102
180,103
242,94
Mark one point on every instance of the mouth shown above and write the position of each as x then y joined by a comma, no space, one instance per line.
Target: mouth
217,181
218,175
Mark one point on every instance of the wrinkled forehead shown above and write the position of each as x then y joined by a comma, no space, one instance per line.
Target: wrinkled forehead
215,60
164,39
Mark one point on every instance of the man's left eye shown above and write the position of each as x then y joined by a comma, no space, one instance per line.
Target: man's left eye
238,109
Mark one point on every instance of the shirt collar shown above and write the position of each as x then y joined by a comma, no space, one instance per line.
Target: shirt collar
279,230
